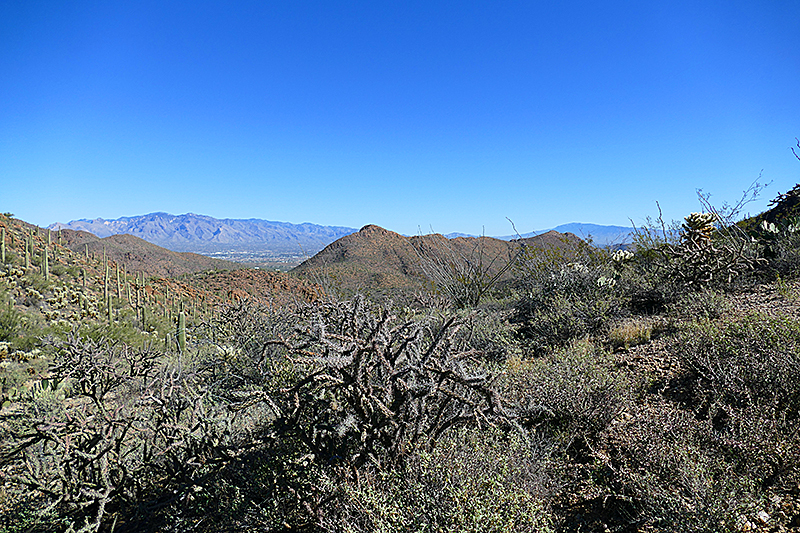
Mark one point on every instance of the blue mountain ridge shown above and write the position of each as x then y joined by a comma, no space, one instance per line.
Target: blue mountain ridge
191,232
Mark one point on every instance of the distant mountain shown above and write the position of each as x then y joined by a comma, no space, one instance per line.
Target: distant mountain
600,235
205,234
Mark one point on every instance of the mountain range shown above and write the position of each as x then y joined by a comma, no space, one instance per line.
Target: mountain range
208,235
600,235
205,234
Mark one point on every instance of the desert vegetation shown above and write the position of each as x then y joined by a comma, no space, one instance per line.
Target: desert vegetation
527,387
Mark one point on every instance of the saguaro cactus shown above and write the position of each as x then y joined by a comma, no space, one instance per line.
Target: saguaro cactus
3,247
182,331
119,286
105,276
46,266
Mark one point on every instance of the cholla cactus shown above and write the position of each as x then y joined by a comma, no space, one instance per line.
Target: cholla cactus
698,227
620,256
705,254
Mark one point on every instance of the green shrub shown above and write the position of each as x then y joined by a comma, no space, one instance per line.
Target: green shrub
745,382
571,395
699,305
474,481
671,470
569,303
754,361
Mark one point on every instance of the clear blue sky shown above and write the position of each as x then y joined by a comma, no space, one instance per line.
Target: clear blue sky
444,115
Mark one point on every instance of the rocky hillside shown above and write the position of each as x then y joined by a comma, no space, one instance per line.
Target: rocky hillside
378,260
200,233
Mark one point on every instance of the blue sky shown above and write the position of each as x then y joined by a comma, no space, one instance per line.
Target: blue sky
410,115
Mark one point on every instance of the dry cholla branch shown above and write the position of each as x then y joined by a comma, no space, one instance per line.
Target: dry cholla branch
120,429
375,388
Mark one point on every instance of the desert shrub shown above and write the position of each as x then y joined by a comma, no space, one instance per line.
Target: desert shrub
569,302
65,270
474,481
752,361
464,278
11,257
699,305
782,247
10,321
491,334
670,470
571,395
745,376
630,333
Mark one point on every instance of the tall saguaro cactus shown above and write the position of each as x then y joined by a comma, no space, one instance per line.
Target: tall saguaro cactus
182,331
3,247
119,286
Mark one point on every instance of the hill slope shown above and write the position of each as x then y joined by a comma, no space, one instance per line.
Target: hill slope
378,260
141,256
